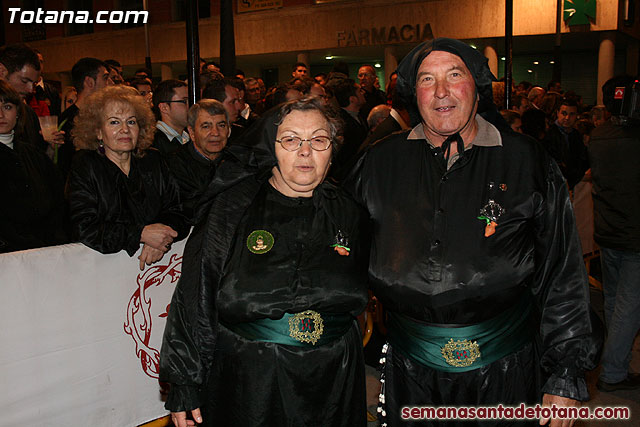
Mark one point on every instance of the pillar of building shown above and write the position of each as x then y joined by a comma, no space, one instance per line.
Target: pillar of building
606,57
166,72
633,57
304,58
492,56
390,61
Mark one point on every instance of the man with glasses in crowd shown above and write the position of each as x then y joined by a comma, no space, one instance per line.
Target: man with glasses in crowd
170,107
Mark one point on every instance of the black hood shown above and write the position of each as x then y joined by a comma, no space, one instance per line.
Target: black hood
475,61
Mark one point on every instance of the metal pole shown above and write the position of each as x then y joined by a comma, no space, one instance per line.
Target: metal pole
557,65
508,48
147,59
193,51
227,39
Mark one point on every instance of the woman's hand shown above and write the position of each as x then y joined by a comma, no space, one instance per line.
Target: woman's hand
158,236
149,255
180,418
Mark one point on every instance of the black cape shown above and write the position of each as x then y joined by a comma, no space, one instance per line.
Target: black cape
210,367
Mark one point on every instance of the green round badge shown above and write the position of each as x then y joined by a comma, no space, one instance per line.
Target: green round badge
260,242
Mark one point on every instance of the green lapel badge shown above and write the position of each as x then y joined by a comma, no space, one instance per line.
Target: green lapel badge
260,242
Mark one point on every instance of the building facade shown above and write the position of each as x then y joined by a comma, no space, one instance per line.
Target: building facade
600,38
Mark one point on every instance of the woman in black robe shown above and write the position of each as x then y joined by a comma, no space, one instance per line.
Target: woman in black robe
262,329
122,194
32,211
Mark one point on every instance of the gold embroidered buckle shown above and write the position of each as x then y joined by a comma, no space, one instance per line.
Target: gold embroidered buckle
460,353
306,326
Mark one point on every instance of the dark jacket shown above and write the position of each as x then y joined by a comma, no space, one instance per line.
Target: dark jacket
33,210
193,173
354,133
376,97
67,150
569,151
614,154
431,260
109,209
163,144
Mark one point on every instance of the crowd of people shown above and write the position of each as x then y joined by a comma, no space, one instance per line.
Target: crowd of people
455,212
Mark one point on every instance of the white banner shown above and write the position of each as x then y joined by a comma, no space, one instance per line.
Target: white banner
80,335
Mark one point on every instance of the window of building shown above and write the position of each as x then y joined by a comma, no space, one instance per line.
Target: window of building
34,31
134,5
179,10
77,29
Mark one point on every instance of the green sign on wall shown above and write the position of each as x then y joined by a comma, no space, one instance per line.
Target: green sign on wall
578,12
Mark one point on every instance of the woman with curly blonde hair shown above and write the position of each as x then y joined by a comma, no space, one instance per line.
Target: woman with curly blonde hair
121,194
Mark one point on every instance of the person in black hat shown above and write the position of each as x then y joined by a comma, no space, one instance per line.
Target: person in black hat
475,253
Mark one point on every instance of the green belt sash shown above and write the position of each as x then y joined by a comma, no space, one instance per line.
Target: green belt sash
306,329
460,349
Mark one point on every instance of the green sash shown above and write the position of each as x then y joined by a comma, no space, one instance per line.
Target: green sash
305,329
452,349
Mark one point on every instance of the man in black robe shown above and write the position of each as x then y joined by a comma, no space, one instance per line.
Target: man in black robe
194,164
475,253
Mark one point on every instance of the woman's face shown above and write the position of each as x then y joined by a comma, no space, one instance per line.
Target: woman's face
8,116
119,130
299,172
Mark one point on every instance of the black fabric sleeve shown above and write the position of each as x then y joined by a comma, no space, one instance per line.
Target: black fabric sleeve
568,344
172,213
105,236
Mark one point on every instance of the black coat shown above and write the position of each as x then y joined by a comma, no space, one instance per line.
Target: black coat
109,209
193,173
431,261
354,133
569,152
614,153
33,211
163,144
190,351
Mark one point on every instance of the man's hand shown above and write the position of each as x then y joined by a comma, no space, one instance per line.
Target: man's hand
559,401
180,418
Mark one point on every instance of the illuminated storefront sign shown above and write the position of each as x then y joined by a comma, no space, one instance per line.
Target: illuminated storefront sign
253,5
385,35
578,12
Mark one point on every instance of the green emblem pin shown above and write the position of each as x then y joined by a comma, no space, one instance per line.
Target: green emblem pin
260,242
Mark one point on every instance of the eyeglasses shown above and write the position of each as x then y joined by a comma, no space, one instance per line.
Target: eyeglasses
179,101
293,143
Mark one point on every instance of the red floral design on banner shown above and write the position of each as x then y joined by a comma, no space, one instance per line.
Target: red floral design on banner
139,319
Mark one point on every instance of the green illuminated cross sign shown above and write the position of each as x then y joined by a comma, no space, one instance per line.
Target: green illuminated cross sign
578,12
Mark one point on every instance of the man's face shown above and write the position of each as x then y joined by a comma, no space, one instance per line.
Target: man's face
321,80
210,134
253,92
175,115
299,72
567,116
232,103
367,76
446,94
116,78
23,80
102,79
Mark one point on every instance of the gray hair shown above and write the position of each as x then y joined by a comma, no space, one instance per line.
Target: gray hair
314,103
378,114
211,106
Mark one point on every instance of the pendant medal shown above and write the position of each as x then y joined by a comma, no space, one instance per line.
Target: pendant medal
490,213
260,242
341,244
